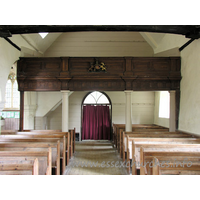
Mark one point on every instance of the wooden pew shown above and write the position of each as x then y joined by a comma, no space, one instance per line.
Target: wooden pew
125,143
43,131
175,157
185,144
134,145
54,134
36,146
138,129
18,157
64,143
48,142
48,132
72,141
31,168
172,169
6,132
135,127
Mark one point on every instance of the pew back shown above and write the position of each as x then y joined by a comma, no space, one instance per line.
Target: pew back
178,157
36,146
31,168
64,144
17,157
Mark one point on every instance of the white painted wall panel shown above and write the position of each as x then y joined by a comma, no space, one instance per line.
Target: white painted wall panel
99,44
142,109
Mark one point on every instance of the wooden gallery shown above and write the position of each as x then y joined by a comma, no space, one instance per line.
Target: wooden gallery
88,94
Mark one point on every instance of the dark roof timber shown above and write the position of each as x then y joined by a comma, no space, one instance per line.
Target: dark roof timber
189,31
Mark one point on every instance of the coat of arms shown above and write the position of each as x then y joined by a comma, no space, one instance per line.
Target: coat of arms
97,67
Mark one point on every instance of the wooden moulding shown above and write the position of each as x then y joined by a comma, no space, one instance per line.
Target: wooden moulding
122,73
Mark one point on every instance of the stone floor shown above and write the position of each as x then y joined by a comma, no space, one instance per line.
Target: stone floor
95,157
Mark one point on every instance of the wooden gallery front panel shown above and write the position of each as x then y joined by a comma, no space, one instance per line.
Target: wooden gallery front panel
99,73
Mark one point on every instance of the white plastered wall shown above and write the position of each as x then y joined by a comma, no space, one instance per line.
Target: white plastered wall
101,44
142,109
8,55
189,115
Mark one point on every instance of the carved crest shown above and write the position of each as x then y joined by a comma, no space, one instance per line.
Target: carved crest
97,67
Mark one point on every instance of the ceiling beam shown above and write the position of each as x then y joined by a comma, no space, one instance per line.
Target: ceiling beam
186,44
190,31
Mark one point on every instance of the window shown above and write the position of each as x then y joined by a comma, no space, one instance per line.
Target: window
96,98
164,104
43,35
12,96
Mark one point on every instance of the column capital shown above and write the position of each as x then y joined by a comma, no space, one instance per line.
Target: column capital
65,91
172,91
128,91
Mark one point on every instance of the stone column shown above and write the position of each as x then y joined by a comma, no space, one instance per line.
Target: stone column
172,116
65,110
128,111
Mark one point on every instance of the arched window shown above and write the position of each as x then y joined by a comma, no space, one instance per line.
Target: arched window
96,98
12,96
96,117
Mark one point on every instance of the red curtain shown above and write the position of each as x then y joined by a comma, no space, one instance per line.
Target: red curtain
96,122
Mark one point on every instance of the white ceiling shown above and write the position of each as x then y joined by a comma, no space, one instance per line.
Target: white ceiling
41,45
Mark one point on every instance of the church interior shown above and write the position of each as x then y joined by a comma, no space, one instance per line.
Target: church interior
99,100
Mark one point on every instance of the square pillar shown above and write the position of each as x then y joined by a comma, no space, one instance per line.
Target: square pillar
65,110
128,111
172,118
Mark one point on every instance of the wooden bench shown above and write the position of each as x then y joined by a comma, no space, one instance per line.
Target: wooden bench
137,128
31,168
43,131
171,169
20,157
123,139
176,157
64,144
125,143
68,135
117,128
134,145
72,141
71,133
174,145
36,146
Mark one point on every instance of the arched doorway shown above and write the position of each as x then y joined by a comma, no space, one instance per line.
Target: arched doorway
96,116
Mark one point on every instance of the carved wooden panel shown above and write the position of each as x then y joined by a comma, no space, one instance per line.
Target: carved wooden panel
122,73
41,85
151,67
80,66
109,85
39,67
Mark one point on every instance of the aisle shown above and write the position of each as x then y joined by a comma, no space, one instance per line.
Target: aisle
95,158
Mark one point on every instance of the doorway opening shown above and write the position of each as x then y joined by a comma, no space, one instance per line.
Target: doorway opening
96,116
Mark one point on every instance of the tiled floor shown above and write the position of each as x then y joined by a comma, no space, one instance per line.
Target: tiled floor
95,158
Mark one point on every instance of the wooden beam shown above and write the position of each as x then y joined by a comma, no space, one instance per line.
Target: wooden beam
12,43
21,125
190,31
